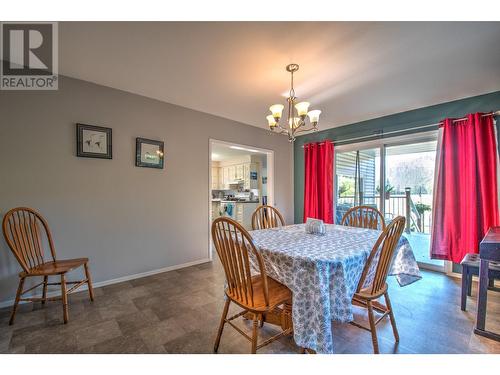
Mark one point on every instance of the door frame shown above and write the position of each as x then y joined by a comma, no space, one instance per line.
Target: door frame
270,180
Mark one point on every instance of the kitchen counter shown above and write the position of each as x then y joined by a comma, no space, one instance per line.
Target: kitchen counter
215,200
223,201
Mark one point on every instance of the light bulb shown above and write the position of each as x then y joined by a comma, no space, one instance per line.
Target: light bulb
314,116
294,123
276,110
302,108
271,121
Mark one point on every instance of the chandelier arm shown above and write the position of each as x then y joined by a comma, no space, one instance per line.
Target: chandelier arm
278,129
306,130
281,127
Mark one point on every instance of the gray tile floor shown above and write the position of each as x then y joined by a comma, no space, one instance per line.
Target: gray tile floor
178,312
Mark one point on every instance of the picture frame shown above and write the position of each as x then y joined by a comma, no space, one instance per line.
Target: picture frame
149,153
94,141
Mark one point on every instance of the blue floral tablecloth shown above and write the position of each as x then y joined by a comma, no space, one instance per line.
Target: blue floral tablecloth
323,272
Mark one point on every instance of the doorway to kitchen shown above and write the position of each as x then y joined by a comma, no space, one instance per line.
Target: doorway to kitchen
240,179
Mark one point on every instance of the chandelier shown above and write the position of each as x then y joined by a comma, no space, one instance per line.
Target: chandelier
297,113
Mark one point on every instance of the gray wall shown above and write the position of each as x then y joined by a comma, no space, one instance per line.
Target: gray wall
127,220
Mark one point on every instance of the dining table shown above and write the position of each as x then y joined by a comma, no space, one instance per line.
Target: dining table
323,272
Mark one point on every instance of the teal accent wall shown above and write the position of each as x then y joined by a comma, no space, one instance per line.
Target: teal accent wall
399,121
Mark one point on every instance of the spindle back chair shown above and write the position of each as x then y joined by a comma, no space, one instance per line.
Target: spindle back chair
373,282
364,217
265,217
26,232
258,293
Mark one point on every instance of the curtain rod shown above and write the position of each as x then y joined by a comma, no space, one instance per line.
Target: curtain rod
493,113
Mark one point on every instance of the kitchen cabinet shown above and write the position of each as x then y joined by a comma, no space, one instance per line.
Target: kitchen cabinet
232,173
238,173
216,208
225,177
238,215
242,212
250,183
248,210
215,178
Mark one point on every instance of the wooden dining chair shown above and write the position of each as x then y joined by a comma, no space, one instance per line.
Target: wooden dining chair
265,217
26,232
257,294
364,217
373,285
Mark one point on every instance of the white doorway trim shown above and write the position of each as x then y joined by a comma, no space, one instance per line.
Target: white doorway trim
270,180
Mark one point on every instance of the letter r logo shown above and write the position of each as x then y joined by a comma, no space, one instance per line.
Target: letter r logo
27,49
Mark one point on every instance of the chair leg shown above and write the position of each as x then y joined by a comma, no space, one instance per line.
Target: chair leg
89,281
221,325
44,294
255,333
391,316
373,328
16,302
64,297
469,284
465,288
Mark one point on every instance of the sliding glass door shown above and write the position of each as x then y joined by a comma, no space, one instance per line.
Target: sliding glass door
357,175
406,164
409,180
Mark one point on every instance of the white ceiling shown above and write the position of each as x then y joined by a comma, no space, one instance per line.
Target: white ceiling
222,152
352,71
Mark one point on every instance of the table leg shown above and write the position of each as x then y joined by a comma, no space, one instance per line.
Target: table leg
469,283
481,303
482,295
465,279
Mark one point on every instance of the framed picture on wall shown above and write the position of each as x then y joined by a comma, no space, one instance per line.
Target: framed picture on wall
94,141
149,153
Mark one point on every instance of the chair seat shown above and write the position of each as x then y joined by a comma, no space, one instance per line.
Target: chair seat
367,295
473,260
55,268
278,294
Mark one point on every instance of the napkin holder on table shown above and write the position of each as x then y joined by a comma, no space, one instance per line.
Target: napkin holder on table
315,226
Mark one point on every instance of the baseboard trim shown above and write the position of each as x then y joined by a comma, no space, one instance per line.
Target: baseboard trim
121,279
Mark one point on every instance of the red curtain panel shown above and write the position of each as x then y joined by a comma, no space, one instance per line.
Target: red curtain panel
318,189
466,200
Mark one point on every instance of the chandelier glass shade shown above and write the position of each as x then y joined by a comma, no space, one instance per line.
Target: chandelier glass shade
298,112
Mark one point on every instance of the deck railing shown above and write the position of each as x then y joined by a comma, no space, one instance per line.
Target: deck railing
398,204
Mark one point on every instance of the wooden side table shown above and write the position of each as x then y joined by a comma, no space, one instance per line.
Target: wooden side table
489,250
